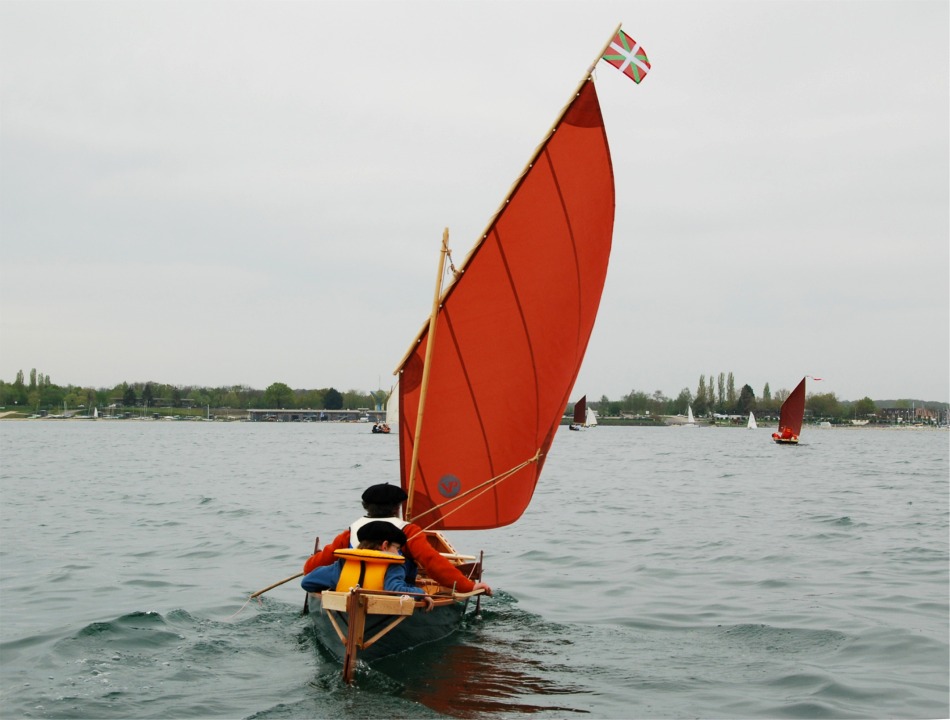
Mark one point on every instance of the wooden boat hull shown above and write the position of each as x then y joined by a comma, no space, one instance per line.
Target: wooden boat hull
785,441
417,629
373,624
370,625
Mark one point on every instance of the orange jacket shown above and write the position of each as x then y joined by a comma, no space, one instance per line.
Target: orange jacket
417,549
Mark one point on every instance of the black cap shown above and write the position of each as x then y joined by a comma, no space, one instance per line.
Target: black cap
381,531
384,494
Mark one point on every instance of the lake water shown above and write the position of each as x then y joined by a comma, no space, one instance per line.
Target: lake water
658,573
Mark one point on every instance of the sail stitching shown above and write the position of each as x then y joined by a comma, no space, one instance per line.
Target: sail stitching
579,358
521,315
468,382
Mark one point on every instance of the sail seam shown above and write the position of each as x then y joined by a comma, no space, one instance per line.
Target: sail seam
468,381
578,358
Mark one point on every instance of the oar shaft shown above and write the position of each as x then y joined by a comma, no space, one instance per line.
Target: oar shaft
277,584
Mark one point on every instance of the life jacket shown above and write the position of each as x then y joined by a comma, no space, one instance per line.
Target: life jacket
366,568
357,524
784,434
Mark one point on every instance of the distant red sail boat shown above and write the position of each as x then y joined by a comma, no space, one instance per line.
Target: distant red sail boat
580,414
791,416
509,330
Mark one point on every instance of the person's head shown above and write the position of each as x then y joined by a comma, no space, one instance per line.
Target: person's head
383,500
381,535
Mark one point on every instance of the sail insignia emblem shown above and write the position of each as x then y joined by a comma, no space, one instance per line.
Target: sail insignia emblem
449,486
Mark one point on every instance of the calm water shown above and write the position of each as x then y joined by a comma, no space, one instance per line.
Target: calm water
659,573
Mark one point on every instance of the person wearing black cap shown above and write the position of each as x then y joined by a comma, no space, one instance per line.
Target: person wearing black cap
381,502
382,537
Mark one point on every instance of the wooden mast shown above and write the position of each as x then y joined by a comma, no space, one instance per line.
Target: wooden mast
430,345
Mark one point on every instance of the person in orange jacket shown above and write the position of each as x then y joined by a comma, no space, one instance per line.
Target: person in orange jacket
382,502
784,433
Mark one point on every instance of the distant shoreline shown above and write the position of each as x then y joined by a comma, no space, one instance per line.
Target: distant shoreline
16,416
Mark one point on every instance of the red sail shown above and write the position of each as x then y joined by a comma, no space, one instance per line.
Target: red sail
511,334
580,411
793,410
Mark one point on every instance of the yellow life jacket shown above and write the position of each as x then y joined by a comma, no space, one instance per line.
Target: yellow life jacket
366,568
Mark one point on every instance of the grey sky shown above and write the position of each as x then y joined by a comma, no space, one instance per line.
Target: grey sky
243,193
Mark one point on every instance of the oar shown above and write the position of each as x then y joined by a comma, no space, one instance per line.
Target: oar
276,584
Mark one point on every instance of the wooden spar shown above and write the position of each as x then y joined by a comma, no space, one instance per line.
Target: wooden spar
478,602
430,345
514,187
356,620
276,584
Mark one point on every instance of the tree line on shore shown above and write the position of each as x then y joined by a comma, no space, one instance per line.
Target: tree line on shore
714,394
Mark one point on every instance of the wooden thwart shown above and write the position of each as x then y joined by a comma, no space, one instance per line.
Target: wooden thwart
375,604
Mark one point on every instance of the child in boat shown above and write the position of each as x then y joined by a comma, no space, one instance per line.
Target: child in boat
784,433
382,502
383,537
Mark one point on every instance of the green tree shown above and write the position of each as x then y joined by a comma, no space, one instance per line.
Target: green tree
635,402
864,407
683,401
148,394
128,397
201,398
823,406
278,395
353,399
33,379
731,399
746,403
332,399
311,399
700,408
721,392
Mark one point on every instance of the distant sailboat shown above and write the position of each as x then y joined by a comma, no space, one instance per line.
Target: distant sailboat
392,412
752,425
791,416
392,406
690,420
591,419
580,414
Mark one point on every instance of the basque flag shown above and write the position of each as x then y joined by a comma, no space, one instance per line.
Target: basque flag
625,54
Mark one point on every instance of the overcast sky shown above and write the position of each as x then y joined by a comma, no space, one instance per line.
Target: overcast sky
220,193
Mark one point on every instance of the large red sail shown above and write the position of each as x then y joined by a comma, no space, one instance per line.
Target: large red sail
511,333
793,410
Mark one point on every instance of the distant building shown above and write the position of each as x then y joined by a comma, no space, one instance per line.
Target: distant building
910,415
